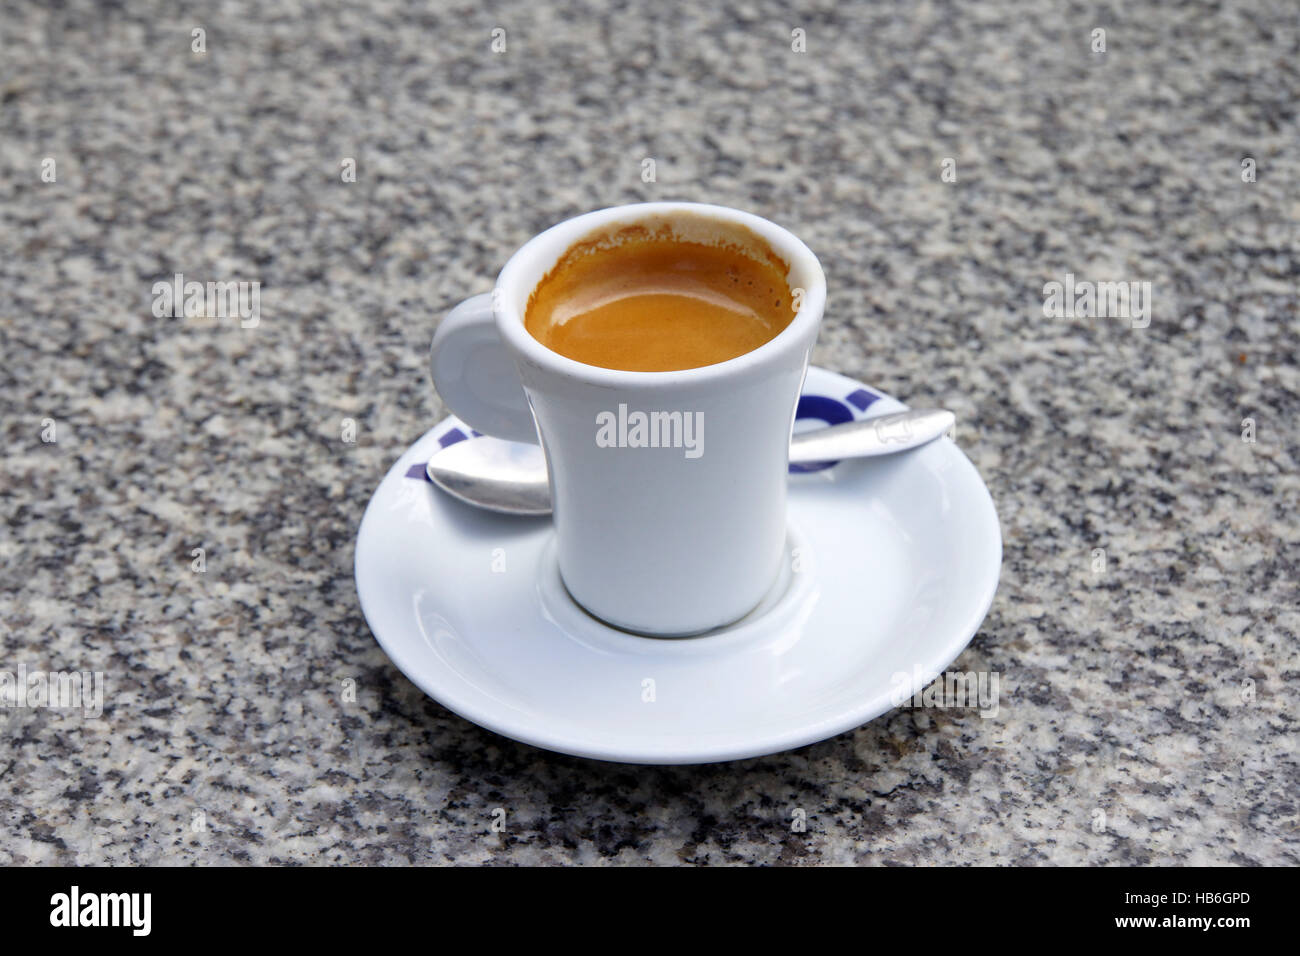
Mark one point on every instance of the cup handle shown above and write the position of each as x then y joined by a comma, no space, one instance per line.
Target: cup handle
476,376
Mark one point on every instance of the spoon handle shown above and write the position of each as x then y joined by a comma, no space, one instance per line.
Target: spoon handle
873,436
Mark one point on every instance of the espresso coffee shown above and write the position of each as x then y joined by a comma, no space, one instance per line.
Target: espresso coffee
645,301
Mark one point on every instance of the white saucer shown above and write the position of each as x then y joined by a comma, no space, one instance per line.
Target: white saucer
897,559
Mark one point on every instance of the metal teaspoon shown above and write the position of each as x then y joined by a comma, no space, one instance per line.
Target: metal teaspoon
510,477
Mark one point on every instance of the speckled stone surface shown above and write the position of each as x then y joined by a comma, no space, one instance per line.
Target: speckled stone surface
1148,711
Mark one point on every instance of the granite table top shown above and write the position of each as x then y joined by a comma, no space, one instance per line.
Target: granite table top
371,164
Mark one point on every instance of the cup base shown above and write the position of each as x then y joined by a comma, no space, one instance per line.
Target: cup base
792,581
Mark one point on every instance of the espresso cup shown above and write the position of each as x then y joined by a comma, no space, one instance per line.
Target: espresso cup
671,540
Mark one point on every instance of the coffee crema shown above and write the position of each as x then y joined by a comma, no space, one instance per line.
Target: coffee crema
646,301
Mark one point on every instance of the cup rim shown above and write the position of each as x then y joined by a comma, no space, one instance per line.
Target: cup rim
535,258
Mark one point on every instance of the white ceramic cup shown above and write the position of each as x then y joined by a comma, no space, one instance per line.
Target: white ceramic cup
671,540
